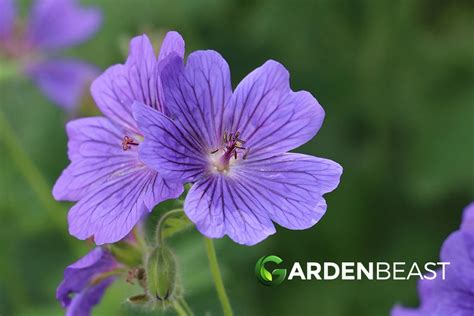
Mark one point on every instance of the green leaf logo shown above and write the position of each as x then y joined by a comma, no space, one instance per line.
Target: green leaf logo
276,277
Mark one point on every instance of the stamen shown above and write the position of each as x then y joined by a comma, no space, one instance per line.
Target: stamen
230,151
128,142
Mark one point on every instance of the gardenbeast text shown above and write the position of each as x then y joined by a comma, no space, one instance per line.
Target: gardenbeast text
371,271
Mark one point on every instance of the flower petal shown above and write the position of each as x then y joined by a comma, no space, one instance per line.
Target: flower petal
402,311
63,81
171,47
468,219
111,211
270,117
7,18
166,148
455,303
119,86
173,43
289,187
78,275
96,155
197,94
220,205
458,249
83,302
58,24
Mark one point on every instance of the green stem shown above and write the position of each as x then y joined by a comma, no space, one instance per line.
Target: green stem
185,306
216,275
160,226
29,171
180,309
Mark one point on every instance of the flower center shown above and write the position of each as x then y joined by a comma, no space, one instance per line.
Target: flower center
230,151
128,142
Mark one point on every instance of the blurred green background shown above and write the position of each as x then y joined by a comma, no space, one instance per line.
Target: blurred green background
396,79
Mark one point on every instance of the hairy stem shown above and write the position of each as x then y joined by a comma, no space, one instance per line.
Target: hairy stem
185,306
161,224
182,308
216,275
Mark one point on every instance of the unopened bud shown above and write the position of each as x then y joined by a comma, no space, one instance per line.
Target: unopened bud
161,273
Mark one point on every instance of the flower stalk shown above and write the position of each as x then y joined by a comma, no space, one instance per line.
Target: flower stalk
216,276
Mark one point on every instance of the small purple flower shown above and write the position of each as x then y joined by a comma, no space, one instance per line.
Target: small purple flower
233,147
53,25
81,280
453,296
115,189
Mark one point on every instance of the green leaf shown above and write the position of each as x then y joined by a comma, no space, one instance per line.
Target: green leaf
174,224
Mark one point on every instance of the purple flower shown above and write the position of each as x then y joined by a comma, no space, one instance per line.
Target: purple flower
115,189
233,147
453,296
81,280
53,25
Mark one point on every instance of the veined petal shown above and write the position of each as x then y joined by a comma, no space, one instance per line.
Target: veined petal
7,18
96,154
57,24
119,86
219,205
196,95
78,275
172,47
82,303
270,117
173,43
63,81
111,211
167,148
287,189
290,187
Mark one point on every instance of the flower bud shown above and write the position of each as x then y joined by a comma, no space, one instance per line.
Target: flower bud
161,273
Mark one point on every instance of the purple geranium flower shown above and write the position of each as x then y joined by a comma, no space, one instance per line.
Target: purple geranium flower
82,279
453,296
53,25
113,186
233,147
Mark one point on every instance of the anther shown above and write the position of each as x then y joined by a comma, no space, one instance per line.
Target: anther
128,142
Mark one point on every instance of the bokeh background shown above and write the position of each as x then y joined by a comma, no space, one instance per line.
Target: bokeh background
396,79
